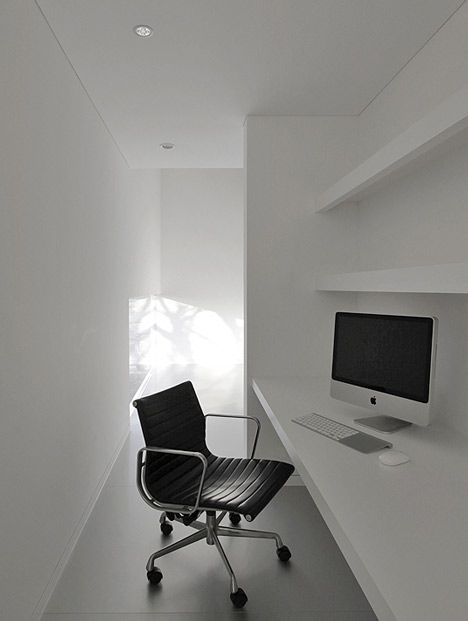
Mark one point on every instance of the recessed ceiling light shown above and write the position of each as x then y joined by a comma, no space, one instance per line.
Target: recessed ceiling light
167,146
142,30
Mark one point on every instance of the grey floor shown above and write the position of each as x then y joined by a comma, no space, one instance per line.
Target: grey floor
105,579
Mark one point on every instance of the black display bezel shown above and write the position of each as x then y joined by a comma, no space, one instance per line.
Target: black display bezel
425,320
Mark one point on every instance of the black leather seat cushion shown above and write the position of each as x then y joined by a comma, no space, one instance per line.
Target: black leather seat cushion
244,486
173,419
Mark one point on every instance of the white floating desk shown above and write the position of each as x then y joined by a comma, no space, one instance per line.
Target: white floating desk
403,530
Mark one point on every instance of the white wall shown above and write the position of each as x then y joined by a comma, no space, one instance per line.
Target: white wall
77,239
420,219
199,317
288,160
436,72
202,232
423,220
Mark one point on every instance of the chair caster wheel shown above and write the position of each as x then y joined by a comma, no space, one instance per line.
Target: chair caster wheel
166,529
154,576
239,598
283,554
234,518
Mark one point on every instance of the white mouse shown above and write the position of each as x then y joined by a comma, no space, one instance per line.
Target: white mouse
393,458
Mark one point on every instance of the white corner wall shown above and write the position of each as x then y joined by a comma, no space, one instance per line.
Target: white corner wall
79,236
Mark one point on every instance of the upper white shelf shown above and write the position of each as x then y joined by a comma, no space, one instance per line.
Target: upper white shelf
445,121
444,278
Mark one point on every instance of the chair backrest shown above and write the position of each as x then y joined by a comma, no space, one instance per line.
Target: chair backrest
171,419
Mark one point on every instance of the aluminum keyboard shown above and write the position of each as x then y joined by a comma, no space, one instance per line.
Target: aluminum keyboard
325,426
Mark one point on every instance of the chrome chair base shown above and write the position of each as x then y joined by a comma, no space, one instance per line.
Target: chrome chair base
211,531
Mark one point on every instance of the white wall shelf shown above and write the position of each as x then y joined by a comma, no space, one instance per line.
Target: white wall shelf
444,122
444,278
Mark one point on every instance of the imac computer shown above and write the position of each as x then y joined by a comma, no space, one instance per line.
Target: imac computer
386,363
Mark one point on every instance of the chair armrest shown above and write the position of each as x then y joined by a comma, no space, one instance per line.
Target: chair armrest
257,422
148,498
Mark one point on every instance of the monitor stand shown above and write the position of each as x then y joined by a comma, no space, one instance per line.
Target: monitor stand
386,424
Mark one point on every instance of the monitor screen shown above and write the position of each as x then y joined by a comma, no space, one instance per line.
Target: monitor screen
387,353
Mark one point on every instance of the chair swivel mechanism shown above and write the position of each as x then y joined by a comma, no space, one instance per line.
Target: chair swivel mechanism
179,476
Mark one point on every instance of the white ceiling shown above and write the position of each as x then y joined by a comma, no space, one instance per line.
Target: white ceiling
210,63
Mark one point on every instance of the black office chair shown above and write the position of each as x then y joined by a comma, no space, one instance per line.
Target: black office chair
178,475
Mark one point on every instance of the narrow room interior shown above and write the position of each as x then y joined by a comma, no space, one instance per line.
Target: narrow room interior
234,323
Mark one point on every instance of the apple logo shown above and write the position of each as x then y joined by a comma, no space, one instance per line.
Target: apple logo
373,400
